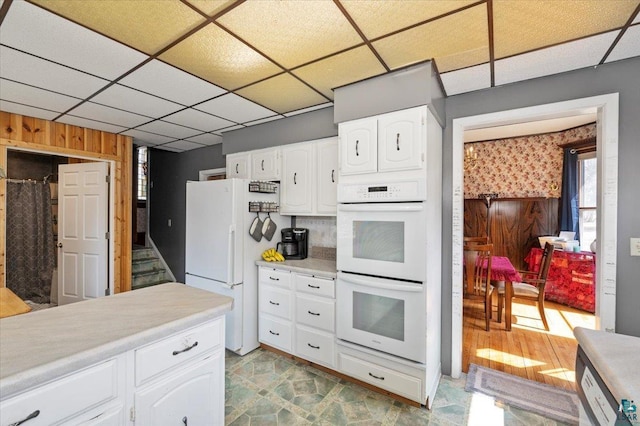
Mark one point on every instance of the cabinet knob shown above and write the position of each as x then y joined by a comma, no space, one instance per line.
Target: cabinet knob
59,245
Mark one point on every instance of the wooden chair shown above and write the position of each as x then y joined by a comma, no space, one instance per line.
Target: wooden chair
532,286
475,240
477,272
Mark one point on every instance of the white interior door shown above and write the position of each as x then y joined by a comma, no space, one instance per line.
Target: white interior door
82,231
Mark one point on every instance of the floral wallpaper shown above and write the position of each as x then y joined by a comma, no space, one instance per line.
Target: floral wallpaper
523,167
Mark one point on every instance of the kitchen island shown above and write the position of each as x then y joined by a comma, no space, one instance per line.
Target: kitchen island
134,357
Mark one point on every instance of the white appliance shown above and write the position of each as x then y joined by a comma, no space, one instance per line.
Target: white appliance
220,253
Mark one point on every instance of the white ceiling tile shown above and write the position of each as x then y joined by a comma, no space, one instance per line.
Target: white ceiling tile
206,139
561,58
146,137
264,120
37,31
467,79
20,109
121,97
107,114
235,108
313,108
28,95
90,124
182,145
166,81
168,129
197,120
637,20
628,46
37,72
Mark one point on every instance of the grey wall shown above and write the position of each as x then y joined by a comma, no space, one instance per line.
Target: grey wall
169,173
621,77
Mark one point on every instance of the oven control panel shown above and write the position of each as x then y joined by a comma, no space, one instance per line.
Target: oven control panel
381,192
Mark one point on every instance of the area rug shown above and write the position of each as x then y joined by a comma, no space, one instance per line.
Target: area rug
539,398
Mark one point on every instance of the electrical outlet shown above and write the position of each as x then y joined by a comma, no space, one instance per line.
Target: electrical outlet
635,246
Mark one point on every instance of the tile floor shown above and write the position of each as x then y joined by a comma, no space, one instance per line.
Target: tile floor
263,388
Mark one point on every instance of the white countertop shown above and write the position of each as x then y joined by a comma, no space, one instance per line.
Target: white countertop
310,266
40,346
615,356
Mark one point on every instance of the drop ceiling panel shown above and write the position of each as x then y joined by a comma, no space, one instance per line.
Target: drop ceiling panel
37,72
179,146
377,18
637,19
121,97
169,129
59,40
91,124
553,60
456,41
235,108
20,109
107,114
206,139
353,65
145,25
524,25
287,30
467,79
282,94
628,46
146,137
166,81
198,120
211,7
218,57
313,108
28,95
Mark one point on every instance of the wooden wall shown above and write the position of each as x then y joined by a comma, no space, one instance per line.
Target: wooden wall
515,224
22,132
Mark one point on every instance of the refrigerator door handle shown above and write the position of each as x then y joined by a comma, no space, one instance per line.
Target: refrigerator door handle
231,251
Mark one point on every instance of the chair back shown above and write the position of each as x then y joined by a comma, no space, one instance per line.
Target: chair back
477,267
476,240
545,262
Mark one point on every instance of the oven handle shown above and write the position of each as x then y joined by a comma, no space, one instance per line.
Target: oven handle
382,207
417,288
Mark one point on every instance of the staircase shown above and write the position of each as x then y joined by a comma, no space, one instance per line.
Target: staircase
147,269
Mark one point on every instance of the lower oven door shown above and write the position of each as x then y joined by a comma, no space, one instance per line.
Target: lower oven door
382,314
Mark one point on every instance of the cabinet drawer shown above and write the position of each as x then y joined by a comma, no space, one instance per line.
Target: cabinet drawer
275,332
275,301
66,397
316,285
382,377
175,350
316,312
315,346
274,277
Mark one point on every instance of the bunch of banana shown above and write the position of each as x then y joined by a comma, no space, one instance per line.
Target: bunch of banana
271,255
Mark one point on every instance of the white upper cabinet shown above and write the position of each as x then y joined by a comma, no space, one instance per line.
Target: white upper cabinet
238,165
297,179
385,143
265,164
326,153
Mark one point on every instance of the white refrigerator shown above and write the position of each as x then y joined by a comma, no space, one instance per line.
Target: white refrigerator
220,253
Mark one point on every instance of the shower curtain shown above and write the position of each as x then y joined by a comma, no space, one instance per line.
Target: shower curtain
30,249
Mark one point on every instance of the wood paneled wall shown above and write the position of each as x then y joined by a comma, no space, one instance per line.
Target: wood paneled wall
514,224
33,134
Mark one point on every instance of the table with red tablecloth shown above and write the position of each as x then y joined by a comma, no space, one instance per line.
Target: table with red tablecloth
571,279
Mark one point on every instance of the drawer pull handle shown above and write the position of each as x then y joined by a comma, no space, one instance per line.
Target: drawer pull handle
314,347
398,141
26,419
274,279
184,420
313,313
188,348
376,377
332,176
357,154
313,286
275,334
262,165
274,303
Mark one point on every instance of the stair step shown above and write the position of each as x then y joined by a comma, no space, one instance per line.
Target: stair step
145,253
149,277
145,265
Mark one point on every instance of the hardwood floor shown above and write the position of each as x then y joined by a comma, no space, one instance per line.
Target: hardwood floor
527,350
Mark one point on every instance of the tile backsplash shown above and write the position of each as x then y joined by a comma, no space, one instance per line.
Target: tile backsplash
322,235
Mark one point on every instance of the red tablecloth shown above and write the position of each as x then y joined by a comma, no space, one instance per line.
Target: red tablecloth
571,279
503,270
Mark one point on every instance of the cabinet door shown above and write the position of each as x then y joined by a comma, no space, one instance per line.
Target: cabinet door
358,146
327,176
296,183
193,396
238,165
265,164
399,140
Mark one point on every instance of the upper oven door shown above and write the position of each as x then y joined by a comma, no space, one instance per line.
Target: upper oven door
383,239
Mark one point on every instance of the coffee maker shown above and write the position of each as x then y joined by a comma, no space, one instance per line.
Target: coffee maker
294,243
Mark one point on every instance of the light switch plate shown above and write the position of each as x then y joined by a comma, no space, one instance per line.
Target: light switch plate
635,246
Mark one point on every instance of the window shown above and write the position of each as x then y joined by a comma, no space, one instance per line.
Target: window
587,198
142,173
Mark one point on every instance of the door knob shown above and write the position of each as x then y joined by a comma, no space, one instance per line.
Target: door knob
59,245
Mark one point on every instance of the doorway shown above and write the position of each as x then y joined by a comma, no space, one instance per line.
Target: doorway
606,107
